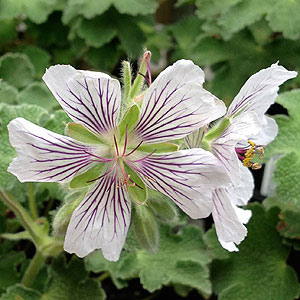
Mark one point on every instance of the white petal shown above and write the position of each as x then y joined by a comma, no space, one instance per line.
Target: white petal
90,98
46,156
185,176
244,191
101,221
268,132
241,129
229,246
176,104
228,220
260,90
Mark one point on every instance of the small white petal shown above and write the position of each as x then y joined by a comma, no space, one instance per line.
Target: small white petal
176,104
46,156
227,217
101,221
260,90
185,176
223,147
229,246
244,191
92,99
268,132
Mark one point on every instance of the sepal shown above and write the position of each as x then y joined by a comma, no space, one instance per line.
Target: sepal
162,207
63,216
145,228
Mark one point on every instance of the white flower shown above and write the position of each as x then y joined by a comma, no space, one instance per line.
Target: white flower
235,140
174,106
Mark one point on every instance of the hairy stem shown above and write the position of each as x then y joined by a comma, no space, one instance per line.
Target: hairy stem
24,218
32,204
33,269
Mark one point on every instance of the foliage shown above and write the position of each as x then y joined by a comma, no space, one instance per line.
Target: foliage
230,40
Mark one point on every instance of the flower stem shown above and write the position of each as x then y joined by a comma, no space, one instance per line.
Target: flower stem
24,218
33,269
32,204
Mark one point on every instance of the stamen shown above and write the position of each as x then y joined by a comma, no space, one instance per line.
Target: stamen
247,155
134,149
100,159
116,145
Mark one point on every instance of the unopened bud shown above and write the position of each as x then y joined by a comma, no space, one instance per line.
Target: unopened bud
145,228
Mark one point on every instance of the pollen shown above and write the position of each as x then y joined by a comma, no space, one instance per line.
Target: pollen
250,154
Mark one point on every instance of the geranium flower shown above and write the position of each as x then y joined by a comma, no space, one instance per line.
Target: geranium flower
174,106
235,140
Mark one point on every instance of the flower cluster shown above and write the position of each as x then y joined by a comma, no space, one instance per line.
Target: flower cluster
118,154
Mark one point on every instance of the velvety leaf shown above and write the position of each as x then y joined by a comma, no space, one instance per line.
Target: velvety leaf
187,265
16,69
90,9
259,270
7,152
8,93
130,35
104,58
20,292
71,282
96,263
287,171
98,31
57,122
8,30
38,94
38,57
36,10
135,7
8,266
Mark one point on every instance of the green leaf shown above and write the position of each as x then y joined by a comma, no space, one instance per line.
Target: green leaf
98,31
36,10
135,7
8,93
130,35
285,17
287,172
137,189
104,58
8,31
187,265
16,69
8,266
129,119
80,133
90,9
84,180
57,122
71,282
20,292
7,152
259,270
38,57
38,94
96,263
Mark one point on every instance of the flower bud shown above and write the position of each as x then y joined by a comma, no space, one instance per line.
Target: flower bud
145,228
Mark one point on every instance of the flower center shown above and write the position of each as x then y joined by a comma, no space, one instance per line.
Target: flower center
246,155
